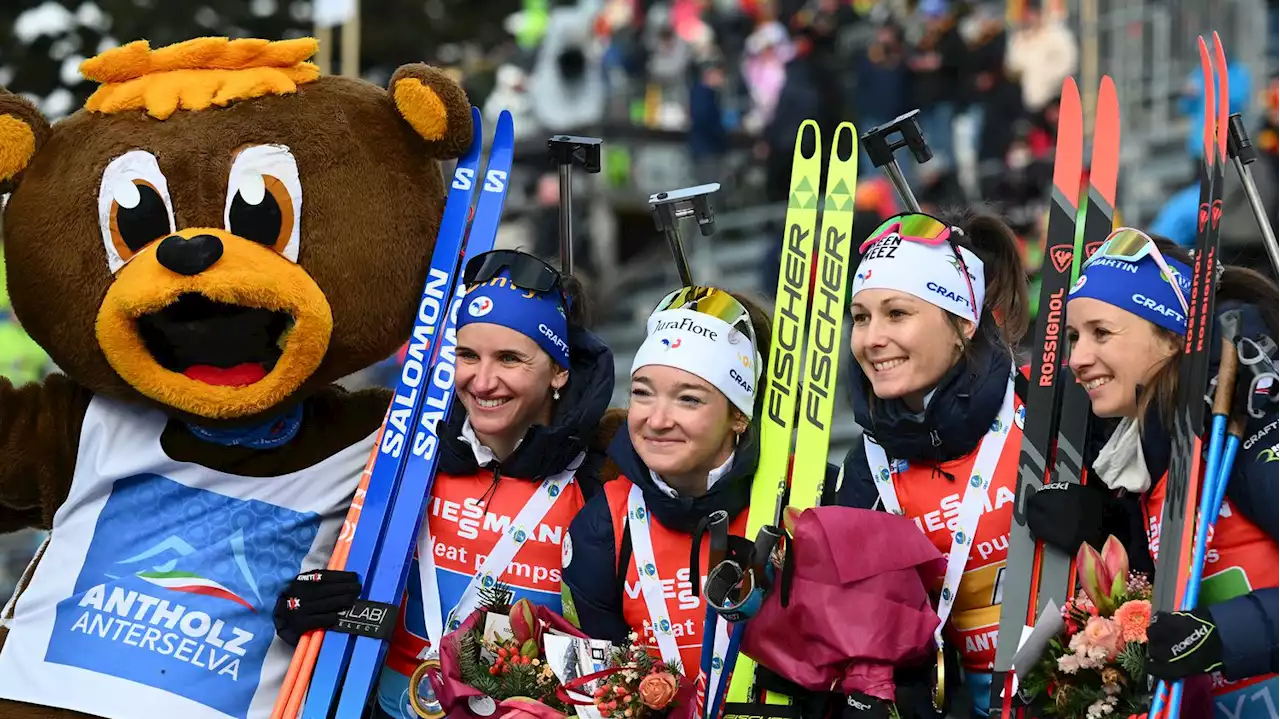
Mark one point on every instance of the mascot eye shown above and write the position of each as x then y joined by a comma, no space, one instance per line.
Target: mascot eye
134,208
263,213
264,198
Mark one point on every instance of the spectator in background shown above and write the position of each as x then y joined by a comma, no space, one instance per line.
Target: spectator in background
881,93
764,71
935,64
1042,53
708,138
994,102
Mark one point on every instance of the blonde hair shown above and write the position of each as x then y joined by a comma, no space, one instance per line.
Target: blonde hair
196,74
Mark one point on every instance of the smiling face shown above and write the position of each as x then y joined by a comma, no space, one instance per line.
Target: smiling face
505,382
680,425
221,262
903,344
1112,352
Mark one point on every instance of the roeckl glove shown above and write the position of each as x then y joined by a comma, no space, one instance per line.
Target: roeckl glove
313,601
1180,644
864,706
1066,515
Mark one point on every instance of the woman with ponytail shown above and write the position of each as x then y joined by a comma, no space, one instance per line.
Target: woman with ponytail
938,309
1126,321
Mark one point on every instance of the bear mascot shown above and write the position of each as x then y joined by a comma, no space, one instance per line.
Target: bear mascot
204,248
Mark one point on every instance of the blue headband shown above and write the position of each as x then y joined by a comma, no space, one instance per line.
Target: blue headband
536,315
1137,287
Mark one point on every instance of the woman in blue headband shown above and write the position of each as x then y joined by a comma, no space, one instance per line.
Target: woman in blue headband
532,385
1126,321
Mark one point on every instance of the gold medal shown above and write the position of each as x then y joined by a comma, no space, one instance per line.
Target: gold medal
940,682
422,696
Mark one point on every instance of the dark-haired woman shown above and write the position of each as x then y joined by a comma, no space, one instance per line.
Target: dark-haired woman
1126,320
937,308
532,386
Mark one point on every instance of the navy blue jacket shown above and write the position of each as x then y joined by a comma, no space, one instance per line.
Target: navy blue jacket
1247,624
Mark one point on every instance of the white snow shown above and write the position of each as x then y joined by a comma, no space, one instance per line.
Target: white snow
47,19
6,75
206,17
263,8
70,71
91,15
59,103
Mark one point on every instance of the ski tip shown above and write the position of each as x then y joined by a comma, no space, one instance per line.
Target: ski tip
1068,156
1105,165
852,150
810,125
1210,106
477,138
1223,96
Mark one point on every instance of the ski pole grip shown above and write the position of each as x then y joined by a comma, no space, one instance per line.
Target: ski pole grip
1236,423
1226,378
1238,143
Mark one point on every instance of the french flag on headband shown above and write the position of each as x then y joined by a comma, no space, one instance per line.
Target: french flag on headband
932,273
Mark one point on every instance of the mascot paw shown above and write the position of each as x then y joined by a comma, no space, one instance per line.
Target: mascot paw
435,106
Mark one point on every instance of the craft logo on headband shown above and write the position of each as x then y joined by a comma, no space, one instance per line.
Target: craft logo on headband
536,315
928,271
1139,287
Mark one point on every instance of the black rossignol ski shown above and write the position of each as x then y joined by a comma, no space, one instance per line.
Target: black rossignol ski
1043,395
1186,464
1057,579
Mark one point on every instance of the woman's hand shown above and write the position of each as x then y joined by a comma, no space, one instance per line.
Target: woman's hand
1181,644
313,601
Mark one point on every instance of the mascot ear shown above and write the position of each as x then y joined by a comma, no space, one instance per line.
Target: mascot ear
435,106
22,131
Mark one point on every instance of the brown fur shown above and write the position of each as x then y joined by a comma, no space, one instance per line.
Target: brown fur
372,198
613,421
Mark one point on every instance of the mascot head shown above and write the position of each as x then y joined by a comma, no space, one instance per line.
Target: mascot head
220,231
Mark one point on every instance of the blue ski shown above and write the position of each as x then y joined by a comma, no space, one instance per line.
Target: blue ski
405,406
386,582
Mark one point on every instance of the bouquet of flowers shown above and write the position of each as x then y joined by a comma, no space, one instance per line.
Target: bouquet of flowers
1096,667
494,663
635,684
523,661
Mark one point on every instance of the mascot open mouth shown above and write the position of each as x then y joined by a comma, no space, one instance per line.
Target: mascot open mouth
232,341
214,342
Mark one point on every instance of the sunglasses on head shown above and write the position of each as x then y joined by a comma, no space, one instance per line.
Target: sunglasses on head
1130,245
712,302
925,230
523,270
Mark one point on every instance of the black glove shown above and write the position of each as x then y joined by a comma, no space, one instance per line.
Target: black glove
1066,515
313,600
1181,644
864,706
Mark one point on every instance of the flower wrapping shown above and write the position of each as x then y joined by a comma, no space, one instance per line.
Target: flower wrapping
1096,669
853,616
528,621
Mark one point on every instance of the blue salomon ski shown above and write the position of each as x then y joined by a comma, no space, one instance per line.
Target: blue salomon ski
384,580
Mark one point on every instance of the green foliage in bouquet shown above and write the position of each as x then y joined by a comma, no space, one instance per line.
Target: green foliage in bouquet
641,685
519,669
1096,667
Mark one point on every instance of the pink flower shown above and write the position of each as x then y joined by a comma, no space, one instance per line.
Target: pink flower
1103,634
658,689
1133,618
1105,575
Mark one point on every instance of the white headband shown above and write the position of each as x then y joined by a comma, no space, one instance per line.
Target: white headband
930,272
704,346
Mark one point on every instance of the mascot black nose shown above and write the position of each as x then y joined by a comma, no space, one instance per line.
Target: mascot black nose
189,256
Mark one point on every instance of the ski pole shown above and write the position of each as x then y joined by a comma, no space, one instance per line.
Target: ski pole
881,151
565,151
1227,366
668,208
1243,153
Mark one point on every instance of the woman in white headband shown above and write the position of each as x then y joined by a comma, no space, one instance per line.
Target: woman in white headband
936,311
689,448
